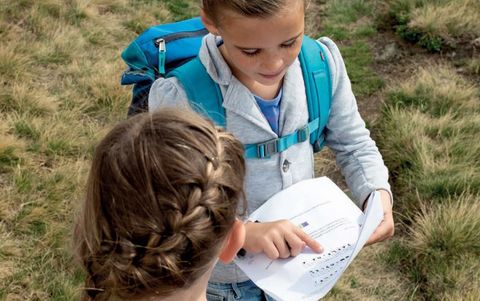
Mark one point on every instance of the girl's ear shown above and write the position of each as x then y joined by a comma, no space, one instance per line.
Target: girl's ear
234,242
209,24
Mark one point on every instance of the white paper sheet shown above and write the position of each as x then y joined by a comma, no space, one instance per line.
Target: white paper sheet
323,211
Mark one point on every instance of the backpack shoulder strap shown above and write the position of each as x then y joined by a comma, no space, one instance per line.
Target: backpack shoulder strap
205,97
203,93
318,88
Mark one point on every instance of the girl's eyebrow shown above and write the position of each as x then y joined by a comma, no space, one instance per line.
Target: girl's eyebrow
287,41
294,38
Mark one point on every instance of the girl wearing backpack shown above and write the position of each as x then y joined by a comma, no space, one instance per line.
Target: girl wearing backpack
251,53
160,208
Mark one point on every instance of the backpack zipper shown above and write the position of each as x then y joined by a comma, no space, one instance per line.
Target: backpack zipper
161,43
180,35
162,48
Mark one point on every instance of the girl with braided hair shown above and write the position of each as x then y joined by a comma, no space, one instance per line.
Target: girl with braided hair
161,206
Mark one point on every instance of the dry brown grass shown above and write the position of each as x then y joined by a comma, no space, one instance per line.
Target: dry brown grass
438,88
429,140
453,19
445,239
370,278
59,69
473,65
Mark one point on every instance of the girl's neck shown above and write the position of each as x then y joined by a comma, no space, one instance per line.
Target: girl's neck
196,292
265,92
183,295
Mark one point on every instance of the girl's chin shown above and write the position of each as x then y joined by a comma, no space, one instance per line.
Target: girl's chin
268,80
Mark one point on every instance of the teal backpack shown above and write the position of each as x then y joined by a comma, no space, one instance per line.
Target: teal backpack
170,50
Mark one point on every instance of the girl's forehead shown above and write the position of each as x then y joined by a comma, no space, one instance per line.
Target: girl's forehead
286,8
254,32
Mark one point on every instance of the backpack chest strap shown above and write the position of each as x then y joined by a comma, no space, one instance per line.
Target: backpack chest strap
206,98
278,145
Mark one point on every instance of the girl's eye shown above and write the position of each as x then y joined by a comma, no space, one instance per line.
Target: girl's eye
289,44
250,52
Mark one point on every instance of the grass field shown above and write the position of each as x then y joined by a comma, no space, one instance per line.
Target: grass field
437,24
59,74
428,136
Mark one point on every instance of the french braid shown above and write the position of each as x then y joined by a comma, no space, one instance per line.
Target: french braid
162,194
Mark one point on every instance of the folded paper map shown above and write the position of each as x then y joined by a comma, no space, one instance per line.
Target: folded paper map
326,213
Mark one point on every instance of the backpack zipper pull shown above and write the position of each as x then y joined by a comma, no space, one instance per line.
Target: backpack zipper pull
162,49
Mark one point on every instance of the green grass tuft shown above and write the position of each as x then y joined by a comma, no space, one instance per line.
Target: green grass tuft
23,129
60,147
428,139
8,158
24,181
181,9
436,92
473,66
435,24
348,11
336,33
446,243
358,60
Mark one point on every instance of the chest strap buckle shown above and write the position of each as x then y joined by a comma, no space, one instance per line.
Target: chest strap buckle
267,148
303,134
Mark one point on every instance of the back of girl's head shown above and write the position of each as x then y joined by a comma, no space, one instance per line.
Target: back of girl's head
162,195
249,8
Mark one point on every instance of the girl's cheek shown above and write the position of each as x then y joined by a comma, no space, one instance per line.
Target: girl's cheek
245,61
293,54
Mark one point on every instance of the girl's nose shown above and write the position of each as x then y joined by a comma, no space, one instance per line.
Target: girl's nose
272,63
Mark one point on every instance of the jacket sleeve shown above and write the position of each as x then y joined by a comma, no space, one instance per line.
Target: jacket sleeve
356,153
167,92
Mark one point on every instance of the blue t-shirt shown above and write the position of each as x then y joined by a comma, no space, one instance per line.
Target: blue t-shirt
270,109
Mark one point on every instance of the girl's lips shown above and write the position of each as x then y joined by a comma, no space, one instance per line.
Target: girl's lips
271,75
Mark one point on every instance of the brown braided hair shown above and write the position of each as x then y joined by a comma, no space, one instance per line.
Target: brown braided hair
162,195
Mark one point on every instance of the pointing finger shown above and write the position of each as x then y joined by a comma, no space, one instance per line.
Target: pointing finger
312,243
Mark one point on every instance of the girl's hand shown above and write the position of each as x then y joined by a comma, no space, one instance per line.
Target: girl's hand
386,228
280,239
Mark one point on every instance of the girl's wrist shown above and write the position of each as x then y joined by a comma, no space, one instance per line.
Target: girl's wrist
386,194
